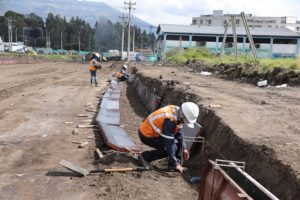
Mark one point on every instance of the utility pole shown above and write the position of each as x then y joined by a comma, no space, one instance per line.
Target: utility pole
133,38
10,36
79,43
16,34
123,27
234,36
61,41
130,4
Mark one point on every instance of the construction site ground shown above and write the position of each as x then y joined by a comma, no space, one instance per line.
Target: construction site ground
36,100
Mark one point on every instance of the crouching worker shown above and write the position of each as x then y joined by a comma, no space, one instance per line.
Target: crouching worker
94,64
162,130
122,74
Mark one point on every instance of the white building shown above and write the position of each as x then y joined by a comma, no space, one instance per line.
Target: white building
272,42
1,45
220,19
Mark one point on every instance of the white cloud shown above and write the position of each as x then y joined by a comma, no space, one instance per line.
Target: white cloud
182,11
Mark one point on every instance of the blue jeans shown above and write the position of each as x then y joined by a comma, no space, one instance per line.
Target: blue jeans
94,77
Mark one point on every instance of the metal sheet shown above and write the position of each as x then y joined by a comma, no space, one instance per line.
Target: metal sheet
191,132
118,138
112,96
108,117
113,90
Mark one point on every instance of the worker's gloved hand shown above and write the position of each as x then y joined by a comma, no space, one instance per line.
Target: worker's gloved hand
186,154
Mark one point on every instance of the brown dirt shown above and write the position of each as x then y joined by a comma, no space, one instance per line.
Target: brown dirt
35,101
256,125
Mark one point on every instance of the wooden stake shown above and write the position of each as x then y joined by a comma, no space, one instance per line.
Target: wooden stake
99,153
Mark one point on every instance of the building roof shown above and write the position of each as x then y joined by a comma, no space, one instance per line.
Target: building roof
219,30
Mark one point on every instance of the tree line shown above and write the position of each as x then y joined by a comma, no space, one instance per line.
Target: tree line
105,35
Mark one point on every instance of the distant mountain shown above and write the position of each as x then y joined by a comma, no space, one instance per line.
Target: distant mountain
89,11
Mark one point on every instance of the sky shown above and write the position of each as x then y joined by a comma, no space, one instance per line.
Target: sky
181,11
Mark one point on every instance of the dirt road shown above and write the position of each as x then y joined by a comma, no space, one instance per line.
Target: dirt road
35,101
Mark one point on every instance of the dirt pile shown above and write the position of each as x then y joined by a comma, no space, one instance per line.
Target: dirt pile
248,73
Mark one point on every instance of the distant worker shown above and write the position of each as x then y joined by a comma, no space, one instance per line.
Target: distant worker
122,75
159,58
93,66
162,130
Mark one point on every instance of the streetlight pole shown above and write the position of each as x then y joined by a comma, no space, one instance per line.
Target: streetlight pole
128,42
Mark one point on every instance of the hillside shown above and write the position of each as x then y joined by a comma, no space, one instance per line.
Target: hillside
89,11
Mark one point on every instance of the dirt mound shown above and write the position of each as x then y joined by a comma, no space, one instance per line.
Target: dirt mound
248,73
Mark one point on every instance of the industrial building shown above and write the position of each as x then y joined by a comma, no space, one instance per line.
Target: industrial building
220,19
270,42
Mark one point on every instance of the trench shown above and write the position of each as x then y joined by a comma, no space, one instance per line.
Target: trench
221,142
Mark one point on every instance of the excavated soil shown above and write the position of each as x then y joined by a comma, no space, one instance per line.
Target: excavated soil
257,125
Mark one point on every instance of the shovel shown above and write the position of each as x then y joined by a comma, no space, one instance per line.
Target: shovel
85,172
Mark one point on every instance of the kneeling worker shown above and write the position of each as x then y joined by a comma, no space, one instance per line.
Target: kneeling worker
122,74
162,130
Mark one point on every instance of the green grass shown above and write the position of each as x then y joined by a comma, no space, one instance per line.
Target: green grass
203,55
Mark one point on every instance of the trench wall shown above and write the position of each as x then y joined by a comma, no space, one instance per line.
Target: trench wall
223,143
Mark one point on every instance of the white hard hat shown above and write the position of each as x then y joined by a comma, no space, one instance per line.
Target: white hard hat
97,54
190,111
125,66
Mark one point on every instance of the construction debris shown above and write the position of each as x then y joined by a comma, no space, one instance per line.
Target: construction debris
84,115
75,131
83,144
68,122
86,126
100,155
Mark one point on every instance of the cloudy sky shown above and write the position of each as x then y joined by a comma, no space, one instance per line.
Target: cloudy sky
182,11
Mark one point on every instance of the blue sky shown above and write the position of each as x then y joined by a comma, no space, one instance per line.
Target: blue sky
182,11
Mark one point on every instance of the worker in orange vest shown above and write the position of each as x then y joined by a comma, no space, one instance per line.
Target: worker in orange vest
122,75
94,64
162,130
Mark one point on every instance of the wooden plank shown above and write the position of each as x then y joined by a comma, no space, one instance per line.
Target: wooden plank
83,144
99,153
84,115
74,168
87,126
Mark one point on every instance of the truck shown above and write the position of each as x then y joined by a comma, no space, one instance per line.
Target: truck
113,55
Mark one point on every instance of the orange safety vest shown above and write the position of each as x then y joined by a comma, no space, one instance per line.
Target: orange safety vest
153,125
91,66
119,74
